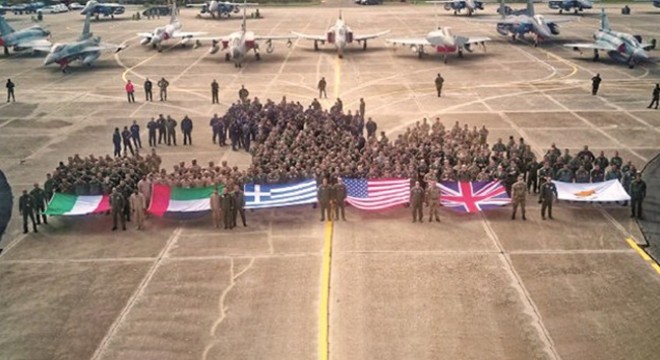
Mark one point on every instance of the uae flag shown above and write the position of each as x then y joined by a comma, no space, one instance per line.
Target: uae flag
180,202
68,205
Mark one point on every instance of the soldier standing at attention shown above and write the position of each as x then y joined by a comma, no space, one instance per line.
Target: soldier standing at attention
49,185
170,125
126,137
548,194
26,208
117,203
439,80
148,86
138,206
152,126
243,94
162,129
239,204
654,100
163,84
363,107
323,196
186,129
637,195
227,205
135,135
595,83
130,91
321,86
215,88
116,141
10,90
371,128
416,202
216,208
339,199
40,203
433,200
519,197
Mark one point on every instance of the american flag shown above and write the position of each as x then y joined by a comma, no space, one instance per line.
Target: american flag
473,196
377,194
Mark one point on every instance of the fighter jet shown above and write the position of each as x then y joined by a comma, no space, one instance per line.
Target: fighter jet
34,38
167,32
219,9
240,42
567,5
655,3
443,41
520,23
86,48
339,35
470,6
620,46
106,9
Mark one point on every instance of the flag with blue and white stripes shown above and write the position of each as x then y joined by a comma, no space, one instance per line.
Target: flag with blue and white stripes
258,196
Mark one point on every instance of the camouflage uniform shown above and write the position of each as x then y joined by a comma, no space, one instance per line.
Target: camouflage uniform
518,197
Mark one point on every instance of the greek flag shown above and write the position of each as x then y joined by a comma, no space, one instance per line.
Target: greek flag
265,196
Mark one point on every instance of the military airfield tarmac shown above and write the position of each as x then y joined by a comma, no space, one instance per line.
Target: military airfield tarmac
374,287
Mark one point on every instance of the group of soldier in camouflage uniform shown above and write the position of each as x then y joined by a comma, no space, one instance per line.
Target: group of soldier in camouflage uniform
289,142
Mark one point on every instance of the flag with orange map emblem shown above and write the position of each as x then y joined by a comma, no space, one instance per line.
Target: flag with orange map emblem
605,191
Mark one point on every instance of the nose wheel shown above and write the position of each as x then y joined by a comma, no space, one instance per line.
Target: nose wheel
227,57
316,46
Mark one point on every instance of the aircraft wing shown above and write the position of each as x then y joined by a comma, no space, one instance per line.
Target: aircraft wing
420,41
511,20
145,35
370,36
280,37
475,39
598,45
309,37
564,19
187,34
37,44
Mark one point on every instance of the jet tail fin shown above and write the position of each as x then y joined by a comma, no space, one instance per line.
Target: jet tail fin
86,33
604,22
530,7
4,26
174,17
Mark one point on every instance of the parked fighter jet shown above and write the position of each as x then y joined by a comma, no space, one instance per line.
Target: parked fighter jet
620,46
167,32
218,9
527,22
443,41
106,9
4,8
240,42
86,48
27,8
340,35
656,3
470,6
34,38
567,5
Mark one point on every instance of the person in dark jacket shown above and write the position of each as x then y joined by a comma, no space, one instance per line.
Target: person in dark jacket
116,141
186,129
26,208
148,86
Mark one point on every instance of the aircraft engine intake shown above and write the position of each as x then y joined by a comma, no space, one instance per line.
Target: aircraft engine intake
87,60
554,28
503,29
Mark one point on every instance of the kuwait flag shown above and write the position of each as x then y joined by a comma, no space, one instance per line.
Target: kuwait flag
67,204
175,201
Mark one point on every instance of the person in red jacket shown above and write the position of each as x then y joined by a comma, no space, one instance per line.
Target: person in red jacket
130,91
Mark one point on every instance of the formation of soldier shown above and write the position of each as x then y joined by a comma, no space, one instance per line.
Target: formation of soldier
162,130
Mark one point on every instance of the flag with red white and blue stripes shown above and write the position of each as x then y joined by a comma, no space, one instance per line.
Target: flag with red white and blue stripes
470,197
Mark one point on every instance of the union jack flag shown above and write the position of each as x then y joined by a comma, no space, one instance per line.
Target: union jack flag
473,197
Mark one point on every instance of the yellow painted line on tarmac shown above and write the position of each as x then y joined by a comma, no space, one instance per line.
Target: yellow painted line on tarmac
325,293
644,255
561,59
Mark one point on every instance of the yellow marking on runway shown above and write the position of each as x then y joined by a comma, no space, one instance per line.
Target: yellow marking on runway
644,255
325,293
337,76
561,59
130,69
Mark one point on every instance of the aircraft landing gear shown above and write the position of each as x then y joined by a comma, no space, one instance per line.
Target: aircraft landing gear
316,46
460,53
596,55
227,57
257,56
6,50
444,59
419,54
364,45
561,11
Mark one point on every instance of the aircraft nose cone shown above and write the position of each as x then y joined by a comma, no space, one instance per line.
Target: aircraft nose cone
49,60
